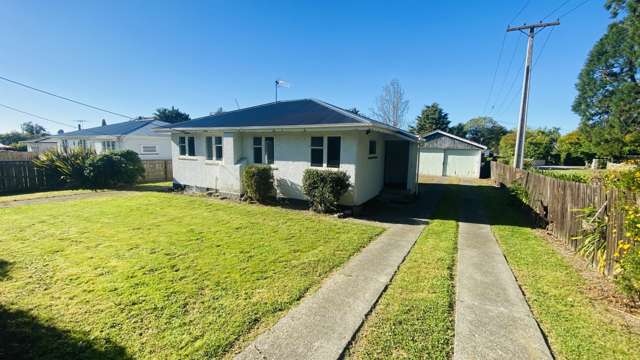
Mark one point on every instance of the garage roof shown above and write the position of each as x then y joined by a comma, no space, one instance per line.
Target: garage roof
434,135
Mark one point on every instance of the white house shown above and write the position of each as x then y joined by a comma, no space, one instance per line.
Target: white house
40,145
211,152
444,154
136,135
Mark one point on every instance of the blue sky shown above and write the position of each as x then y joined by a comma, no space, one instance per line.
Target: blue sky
135,56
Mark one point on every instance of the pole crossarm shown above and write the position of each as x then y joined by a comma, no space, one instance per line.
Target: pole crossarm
532,26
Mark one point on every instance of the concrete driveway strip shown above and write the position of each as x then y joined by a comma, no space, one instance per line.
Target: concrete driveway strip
324,323
493,320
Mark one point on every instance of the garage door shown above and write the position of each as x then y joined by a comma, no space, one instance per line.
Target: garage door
431,162
462,163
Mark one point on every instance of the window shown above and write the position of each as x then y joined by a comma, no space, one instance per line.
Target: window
182,144
209,147
187,145
218,148
373,151
149,149
108,145
333,151
268,150
257,150
317,151
191,146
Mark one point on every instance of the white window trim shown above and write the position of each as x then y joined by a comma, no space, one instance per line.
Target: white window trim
324,152
186,148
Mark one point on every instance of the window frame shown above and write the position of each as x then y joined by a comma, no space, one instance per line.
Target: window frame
182,145
217,145
316,147
374,154
191,146
258,147
339,162
155,149
208,145
269,148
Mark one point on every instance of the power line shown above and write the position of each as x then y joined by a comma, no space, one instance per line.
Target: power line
495,74
544,45
574,9
506,76
556,9
36,116
65,98
526,3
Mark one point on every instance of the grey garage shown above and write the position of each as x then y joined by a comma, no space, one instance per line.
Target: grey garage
444,154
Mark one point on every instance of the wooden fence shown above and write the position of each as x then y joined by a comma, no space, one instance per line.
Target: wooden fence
557,201
23,176
17,156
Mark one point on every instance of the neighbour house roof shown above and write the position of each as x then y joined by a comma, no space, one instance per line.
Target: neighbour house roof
117,129
438,133
283,114
38,140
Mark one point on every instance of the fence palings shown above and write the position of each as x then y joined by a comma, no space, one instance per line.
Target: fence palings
558,200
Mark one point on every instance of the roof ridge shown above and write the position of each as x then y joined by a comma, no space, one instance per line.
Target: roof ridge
456,137
247,108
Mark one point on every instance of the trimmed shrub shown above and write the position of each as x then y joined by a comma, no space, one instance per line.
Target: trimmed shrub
113,169
258,182
324,188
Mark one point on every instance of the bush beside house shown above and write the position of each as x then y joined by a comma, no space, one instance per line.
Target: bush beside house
258,182
324,188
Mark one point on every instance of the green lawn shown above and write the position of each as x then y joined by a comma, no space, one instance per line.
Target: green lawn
576,326
152,275
414,317
152,186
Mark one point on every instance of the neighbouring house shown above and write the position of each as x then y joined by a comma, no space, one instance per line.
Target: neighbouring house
40,145
137,135
210,153
444,154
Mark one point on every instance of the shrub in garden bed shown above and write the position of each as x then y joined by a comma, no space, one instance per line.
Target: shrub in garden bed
79,168
324,188
258,182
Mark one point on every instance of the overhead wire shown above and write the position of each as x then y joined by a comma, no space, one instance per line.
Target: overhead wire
36,116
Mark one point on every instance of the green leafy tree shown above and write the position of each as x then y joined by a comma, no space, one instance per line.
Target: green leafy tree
571,149
32,129
540,144
13,137
458,130
172,115
608,100
430,119
486,131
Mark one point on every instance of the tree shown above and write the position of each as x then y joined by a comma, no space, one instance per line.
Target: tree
540,144
458,130
354,110
571,149
391,107
486,131
104,122
430,119
172,115
33,129
219,111
608,100
13,137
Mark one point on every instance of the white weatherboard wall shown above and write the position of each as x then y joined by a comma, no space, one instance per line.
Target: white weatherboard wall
135,143
370,169
293,156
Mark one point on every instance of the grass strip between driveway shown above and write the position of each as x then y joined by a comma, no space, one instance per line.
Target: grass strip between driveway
576,326
158,276
414,317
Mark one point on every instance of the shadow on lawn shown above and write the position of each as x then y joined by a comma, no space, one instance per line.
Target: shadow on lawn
23,336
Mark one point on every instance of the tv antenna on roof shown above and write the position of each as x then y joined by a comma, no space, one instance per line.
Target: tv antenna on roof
281,83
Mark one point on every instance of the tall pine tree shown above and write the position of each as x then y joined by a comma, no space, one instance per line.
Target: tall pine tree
430,119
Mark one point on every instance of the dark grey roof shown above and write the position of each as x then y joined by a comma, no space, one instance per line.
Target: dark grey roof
122,128
434,135
305,112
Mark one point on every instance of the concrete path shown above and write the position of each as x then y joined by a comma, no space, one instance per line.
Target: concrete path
324,323
492,320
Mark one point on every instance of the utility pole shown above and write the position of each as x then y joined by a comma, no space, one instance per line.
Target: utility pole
518,157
